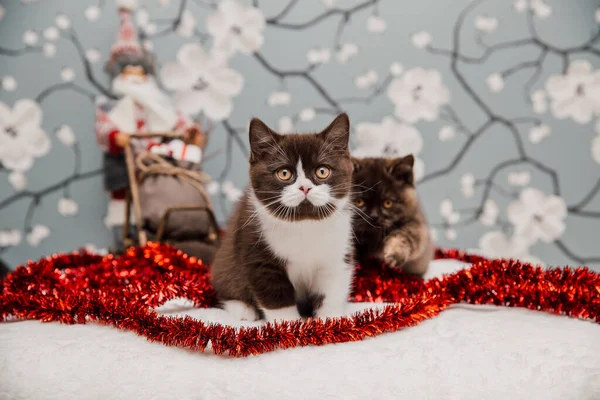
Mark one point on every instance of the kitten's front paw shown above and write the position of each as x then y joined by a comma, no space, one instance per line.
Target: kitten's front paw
240,310
395,253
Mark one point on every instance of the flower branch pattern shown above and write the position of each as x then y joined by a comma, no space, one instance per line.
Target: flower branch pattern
506,203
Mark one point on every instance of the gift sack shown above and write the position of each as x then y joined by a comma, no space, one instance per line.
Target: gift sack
166,183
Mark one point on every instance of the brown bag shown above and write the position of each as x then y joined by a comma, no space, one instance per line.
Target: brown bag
173,183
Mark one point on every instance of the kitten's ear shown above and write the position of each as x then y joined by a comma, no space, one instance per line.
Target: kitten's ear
262,139
402,168
338,132
355,164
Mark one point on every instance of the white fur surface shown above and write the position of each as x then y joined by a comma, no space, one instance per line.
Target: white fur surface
466,353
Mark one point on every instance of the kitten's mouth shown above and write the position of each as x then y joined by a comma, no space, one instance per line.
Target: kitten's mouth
303,211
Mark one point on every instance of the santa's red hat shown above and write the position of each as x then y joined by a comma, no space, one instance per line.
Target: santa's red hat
127,49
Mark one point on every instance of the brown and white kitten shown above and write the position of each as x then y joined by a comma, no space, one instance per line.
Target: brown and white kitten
287,251
393,228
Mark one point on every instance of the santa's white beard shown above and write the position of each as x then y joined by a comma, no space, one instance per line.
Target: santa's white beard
160,113
139,89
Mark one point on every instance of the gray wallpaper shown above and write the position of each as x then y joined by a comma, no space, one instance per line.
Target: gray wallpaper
499,100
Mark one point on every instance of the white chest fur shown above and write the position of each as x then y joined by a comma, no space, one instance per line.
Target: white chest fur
308,246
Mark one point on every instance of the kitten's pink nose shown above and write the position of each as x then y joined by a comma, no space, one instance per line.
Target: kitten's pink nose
305,189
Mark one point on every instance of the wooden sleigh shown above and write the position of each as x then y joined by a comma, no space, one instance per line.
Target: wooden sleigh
143,235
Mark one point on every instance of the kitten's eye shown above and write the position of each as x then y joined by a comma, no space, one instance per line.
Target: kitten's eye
359,203
387,204
284,174
323,172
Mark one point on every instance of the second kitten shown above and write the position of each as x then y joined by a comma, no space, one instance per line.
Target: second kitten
390,225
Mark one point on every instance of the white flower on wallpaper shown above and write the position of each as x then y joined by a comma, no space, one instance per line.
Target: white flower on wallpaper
576,94
67,74
148,45
595,146
63,22
30,37
447,211
93,249
9,83
519,178
213,187
346,52
236,27
417,94
447,133
202,82
279,98
232,193
187,25
389,138
93,55
486,24
2,13
49,50
92,13
421,39
396,69
537,216
376,24
10,238
142,19
329,3
495,82
451,217
489,213
51,33
596,149
467,185
496,244
366,80
307,114
539,7
65,134
318,56
37,234
285,125
539,132
21,137
17,180
450,234
67,207
597,15
539,102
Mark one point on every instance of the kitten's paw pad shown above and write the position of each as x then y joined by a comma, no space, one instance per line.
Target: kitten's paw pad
240,310
395,253
394,260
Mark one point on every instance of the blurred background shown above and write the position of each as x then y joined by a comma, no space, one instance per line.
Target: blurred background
499,101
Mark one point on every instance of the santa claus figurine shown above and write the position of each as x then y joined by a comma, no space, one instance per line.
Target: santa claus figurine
141,107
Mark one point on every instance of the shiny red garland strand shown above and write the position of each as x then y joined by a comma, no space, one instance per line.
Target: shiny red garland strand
123,291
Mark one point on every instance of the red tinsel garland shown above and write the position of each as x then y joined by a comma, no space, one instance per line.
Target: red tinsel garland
123,292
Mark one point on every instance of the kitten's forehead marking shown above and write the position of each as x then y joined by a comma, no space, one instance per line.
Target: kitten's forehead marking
302,180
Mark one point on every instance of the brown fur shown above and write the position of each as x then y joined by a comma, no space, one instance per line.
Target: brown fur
245,269
398,235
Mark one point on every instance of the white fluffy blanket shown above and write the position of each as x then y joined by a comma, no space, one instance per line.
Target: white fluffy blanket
467,352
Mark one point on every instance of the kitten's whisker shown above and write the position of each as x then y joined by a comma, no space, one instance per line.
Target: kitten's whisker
253,216
361,214
267,191
354,234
